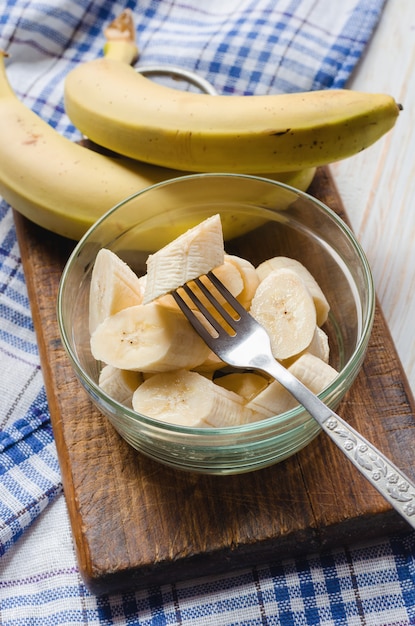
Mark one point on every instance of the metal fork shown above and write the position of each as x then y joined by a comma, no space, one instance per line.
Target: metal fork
239,340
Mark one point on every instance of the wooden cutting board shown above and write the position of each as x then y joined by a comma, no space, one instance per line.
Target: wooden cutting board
137,523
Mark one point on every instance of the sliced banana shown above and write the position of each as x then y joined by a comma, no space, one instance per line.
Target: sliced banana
195,252
148,338
210,365
283,305
114,286
189,399
119,384
230,275
275,399
319,347
313,372
245,384
320,300
250,278
272,400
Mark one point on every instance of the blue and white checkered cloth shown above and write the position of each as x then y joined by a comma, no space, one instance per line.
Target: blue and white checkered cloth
241,47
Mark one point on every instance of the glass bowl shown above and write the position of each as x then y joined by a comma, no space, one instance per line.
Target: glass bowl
261,218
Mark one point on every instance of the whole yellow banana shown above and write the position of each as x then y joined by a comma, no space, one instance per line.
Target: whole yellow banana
63,186
122,110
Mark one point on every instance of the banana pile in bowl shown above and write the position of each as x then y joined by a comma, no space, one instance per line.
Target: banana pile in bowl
149,373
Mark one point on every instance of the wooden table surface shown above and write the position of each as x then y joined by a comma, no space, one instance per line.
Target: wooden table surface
378,185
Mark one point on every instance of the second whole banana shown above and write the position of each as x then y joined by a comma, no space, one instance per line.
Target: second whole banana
122,110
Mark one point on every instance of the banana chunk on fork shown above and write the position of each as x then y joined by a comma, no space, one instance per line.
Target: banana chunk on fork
195,252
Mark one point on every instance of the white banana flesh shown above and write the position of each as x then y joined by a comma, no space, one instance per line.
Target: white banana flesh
245,384
250,279
117,108
283,305
195,252
313,372
279,262
319,347
119,384
114,286
275,399
189,399
148,338
210,365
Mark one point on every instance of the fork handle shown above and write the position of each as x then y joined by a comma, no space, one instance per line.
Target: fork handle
380,471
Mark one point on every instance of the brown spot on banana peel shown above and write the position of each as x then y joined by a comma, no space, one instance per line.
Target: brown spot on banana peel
279,133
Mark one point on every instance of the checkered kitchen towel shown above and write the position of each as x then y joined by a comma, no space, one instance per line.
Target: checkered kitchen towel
241,47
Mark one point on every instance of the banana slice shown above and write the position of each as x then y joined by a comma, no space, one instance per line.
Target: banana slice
189,399
313,372
148,338
272,400
119,384
114,286
319,347
230,275
250,278
210,365
283,305
245,384
278,262
275,399
195,252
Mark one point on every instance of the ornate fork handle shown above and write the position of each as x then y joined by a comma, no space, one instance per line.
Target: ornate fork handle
249,346
388,479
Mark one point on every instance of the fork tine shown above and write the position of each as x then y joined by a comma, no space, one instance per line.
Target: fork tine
216,323
200,306
237,306
213,300
193,319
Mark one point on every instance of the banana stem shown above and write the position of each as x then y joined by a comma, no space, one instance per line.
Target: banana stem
121,41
